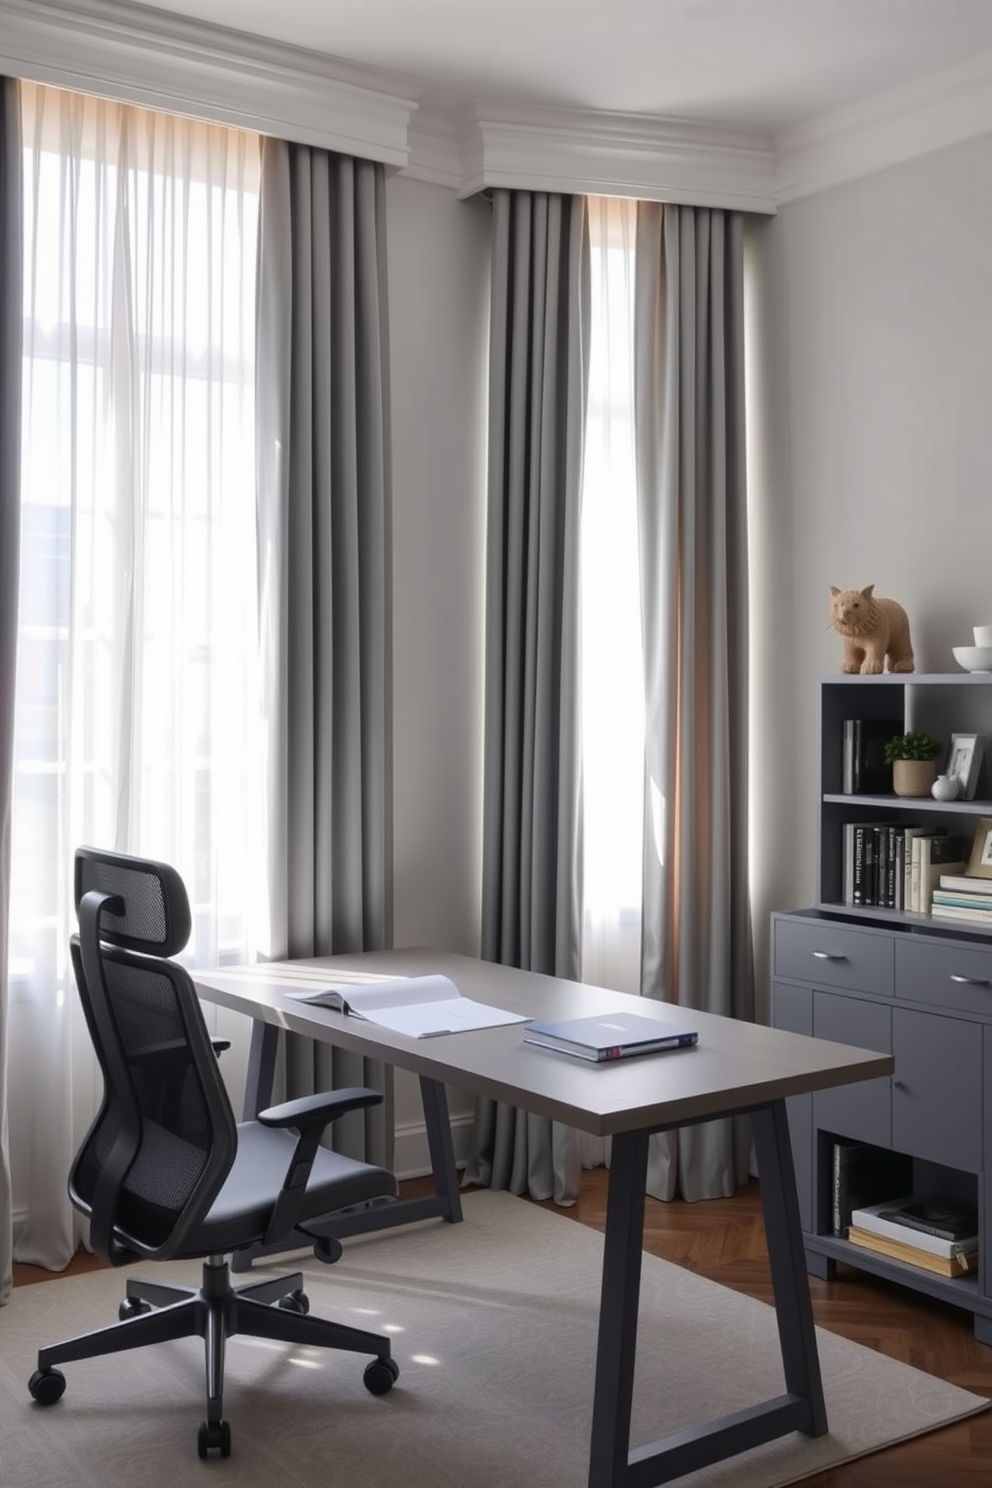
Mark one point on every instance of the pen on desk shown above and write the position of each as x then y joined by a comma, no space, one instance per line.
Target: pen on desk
435,1032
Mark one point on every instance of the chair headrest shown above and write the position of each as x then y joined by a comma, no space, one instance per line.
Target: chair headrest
156,918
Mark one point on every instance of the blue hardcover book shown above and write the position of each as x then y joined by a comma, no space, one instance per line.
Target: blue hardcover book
611,1036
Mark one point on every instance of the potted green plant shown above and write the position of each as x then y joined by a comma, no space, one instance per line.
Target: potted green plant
913,758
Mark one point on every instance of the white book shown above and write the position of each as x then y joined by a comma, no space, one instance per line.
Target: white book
873,1218
423,1007
968,884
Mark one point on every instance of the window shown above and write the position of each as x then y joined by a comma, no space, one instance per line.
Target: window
612,667
136,722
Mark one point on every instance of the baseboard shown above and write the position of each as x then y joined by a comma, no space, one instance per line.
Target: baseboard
411,1155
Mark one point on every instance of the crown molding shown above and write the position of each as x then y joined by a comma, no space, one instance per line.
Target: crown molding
435,149
608,154
901,125
151,57
146,56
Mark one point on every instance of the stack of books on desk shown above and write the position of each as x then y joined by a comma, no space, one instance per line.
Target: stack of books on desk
958,896
938,1236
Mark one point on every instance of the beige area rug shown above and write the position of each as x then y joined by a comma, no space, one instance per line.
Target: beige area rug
494,1328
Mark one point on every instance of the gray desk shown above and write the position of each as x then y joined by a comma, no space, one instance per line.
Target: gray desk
737,1068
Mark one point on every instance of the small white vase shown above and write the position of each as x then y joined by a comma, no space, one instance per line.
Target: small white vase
944,788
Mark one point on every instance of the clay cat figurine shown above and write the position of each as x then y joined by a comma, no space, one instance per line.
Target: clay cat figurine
873,630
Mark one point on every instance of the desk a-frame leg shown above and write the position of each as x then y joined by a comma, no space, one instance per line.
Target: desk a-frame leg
612,1464
445,1203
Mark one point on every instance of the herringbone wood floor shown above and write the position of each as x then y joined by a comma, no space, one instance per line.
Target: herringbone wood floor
724,1240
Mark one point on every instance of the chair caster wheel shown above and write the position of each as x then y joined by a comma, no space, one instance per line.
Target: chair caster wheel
295,1302
47,1386
328,1250
214,1436
130,1308
380,1376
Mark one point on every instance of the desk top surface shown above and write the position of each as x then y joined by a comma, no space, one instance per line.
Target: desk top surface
734,1066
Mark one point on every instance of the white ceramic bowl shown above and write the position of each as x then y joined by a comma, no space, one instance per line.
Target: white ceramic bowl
982,634
974,658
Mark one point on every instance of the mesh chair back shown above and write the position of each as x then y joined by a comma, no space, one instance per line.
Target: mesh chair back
155,914
165,1136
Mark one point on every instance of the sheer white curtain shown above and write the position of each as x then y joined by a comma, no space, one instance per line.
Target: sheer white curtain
136,720
612,670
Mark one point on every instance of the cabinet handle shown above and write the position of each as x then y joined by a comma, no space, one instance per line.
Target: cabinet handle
970,981
828,956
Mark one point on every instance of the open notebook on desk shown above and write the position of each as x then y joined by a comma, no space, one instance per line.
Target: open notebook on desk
423,1007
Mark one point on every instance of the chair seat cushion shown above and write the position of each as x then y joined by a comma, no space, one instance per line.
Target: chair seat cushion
239,1216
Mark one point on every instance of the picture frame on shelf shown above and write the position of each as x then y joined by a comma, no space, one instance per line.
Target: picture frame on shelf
980,862
964,763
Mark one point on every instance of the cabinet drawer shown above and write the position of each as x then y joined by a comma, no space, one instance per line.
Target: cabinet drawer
945,974
834,956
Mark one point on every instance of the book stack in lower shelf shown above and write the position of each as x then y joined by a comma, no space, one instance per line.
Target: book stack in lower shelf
940,1237
960,896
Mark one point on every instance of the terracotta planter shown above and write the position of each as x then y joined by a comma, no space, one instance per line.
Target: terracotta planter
913,777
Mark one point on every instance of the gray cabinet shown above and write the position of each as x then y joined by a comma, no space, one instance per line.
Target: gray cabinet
898,982
862,1111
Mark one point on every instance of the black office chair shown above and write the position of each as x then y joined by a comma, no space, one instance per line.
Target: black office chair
165,1173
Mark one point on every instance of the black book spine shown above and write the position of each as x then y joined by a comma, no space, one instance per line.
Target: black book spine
839,1192
847,785
890,867
870,838
859,864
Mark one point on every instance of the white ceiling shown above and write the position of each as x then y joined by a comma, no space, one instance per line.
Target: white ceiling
768,64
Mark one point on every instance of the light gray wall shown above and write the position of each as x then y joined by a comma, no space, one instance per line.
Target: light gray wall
871,393
438,312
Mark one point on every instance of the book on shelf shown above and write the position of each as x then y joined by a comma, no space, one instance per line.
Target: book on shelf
862,1173
864,854
934,853
956,900
874,859
941,1228
865,770
964,916
962,1263
910,831
967,883
847,862
611,1036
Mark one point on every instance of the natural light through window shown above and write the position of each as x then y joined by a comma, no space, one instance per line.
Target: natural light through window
612,673
137,698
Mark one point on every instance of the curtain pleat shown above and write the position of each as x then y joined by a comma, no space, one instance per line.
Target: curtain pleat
11,300
689,417
531,910
323,492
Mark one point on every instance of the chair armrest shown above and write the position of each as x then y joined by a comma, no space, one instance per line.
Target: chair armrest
308,1117
314,1112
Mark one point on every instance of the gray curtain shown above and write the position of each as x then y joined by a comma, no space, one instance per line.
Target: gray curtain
531,832
689,415
323,495
11,311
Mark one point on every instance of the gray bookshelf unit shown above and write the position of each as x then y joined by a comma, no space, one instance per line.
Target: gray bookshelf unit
898,982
